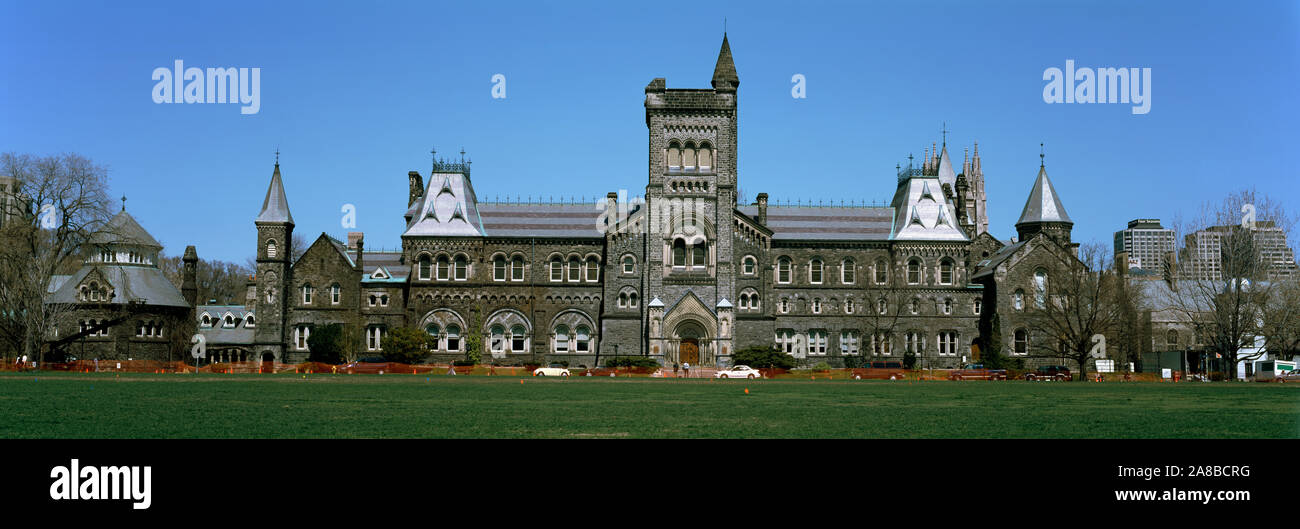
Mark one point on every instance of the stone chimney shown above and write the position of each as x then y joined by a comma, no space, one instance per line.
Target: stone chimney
189,283
361,250
417,187
762,209
353,238
611,211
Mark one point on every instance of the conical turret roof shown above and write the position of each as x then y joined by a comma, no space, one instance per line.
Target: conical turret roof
1044,205
724,73
275,208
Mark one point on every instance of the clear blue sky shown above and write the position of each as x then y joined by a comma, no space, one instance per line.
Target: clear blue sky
354,96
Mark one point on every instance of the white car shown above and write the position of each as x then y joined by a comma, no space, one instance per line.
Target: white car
553,370
738,372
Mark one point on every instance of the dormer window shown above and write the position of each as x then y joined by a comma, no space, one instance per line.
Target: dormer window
229,321
248,321
207,320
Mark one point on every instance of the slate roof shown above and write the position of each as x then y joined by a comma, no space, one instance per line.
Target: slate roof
827,223
218,334
275,207
130,282
448,208
996,259
390,261
123,229
1043,205
541,220
724,72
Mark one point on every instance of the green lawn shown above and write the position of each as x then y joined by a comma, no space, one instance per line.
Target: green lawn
70,405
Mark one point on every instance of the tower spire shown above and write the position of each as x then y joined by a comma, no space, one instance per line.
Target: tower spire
1042,162
123,202
725,78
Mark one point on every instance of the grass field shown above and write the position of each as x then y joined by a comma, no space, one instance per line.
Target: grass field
70,405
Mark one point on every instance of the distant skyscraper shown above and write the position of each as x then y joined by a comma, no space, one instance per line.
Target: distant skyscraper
1144,244
1203,251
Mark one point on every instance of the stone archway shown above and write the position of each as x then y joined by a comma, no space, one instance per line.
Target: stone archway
690,336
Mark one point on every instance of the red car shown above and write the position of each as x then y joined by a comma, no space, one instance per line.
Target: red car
977,372
1060,373
882,370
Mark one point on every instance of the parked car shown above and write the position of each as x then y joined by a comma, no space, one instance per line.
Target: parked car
738,372
1061,373
366,365
553,370
1288,376
977,372
882,370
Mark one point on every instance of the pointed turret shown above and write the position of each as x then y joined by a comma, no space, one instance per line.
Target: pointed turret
725,78
1044,211
945,173
275,208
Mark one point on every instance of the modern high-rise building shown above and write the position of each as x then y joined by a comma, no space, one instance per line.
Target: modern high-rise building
1203,251
1143,247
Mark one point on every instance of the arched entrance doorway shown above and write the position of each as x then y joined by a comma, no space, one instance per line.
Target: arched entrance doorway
268,362
689,335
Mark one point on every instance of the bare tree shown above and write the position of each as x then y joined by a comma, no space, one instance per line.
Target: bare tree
59,202
1078,306
225,282
1282,319
1225,280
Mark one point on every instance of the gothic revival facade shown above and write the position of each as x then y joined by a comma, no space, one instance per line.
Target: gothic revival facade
686,275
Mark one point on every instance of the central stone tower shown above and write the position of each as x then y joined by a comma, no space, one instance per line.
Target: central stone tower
691,200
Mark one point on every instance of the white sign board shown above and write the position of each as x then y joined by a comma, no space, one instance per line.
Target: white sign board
1105,366
1166,373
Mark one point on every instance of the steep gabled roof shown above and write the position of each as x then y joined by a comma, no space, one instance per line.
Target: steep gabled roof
946,174
1044,205
448,208
275,207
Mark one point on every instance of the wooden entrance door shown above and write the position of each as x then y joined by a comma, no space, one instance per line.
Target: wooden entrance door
690,352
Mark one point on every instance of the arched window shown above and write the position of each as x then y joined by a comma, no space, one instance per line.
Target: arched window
518,339
882,344
434,335
499,268
593,270
815,271
947,343
373,300
848,342
913,271
848,306
816,342
915,306
207,320
784,305
679,252
914,343
1018,299
229,321
698,252
248,321
848,273
882,306
426,266
979,306
583,339
517,269
498,340
557,269
674,156
947,306
271,250
444,268
631,300
629,264
85,293
561,339
744,301
750,265
706,158
575,269
462,268
383,300
817,305
688,157
453,338
1171,338
622,300
882,272
945,271
336,294
783,270
1021,342
1040,288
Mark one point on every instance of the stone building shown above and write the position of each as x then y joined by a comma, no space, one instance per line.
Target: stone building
119,305
686,275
